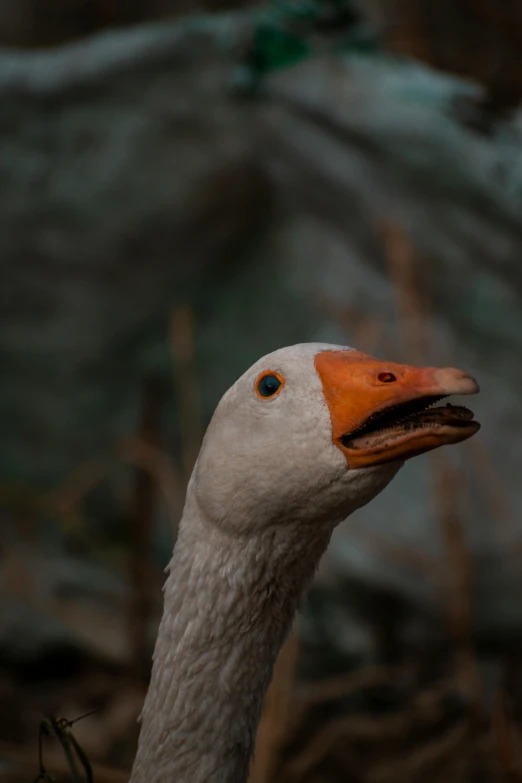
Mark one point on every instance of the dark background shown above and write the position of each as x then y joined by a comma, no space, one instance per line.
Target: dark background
184,187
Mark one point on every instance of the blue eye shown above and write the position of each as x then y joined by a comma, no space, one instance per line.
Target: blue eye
268,385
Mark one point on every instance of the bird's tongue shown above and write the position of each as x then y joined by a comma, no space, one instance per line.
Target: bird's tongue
445,414
448,415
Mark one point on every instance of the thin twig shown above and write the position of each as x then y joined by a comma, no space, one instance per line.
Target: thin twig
504,734
141,523
182,341
277,710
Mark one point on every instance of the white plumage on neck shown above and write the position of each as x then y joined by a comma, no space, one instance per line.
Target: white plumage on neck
228,607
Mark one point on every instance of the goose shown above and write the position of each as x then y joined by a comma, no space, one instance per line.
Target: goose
306,436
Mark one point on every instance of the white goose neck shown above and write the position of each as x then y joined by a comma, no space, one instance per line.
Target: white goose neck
229,603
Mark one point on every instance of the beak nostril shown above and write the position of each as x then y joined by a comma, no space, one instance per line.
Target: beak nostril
386,377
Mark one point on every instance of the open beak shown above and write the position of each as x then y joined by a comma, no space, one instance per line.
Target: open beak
382,411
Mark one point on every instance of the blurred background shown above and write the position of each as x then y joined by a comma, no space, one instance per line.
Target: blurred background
185,186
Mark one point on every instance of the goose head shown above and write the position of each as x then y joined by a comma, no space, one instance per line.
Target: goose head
312,432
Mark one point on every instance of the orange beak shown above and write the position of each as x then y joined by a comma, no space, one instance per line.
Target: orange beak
382,411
